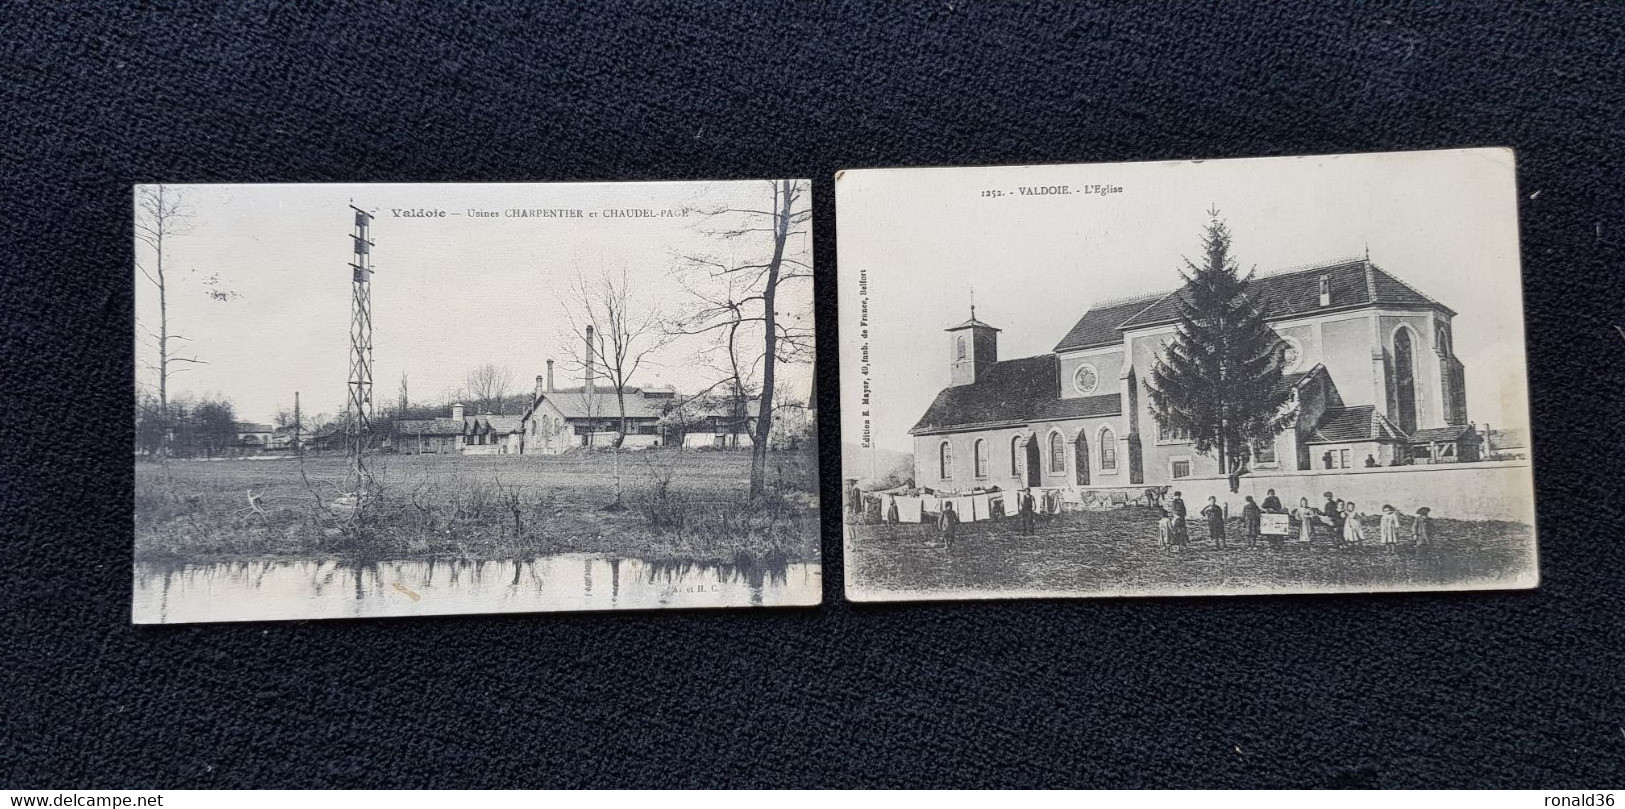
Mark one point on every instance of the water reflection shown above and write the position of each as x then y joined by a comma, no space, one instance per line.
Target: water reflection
279,589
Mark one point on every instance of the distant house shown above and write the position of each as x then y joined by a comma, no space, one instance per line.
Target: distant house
430,436
326,439
560,419
483,434
252,438
282,438
491,435
1506,443
718,427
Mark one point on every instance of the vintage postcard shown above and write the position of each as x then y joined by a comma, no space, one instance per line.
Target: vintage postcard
391,400
1282,375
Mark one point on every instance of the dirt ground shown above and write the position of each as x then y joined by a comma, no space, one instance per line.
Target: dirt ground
1116,552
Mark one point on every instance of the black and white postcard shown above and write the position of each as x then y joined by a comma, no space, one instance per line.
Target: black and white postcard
391,400
1280,375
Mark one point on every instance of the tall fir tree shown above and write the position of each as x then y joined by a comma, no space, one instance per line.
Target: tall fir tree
1220,379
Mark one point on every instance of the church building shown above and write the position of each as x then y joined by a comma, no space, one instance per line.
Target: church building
1367,358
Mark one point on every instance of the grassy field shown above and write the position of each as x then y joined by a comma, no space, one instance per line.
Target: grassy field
680,506
1115,551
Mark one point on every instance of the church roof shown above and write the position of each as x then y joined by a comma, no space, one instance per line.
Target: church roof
972,323
1008,393
1353,284
1098,326
1358,423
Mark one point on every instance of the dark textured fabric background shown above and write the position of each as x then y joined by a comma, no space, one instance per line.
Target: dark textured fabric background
1513,689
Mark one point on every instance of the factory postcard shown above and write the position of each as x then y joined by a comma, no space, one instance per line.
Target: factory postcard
1281,375
397,400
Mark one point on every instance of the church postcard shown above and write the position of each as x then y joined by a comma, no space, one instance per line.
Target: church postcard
1225,377
429,399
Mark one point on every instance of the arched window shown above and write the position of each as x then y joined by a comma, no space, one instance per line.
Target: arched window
1108,450
981,458
959,347
1015,456
1057,453
945,461
1405,379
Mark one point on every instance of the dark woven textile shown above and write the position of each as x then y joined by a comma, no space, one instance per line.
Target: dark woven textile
1512,689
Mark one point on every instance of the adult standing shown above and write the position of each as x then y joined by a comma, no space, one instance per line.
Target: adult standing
1181,534
1272,504
1025,501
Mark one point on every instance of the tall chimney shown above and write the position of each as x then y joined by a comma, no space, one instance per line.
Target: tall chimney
457,411
549,376
589,365
541,386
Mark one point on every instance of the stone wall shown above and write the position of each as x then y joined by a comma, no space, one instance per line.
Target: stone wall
1487,490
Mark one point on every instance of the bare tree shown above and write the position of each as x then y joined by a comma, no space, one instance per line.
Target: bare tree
404,402
161,214
610,334
488,386
739,303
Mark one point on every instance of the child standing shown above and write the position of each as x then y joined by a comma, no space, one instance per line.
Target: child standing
1390,527
947,525
1421,528
1215,521
1306,517
1165,529
1353,531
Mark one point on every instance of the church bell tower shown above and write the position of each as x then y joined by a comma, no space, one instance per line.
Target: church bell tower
973,347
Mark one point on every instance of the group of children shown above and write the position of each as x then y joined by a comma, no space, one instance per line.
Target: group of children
948,519
1341,519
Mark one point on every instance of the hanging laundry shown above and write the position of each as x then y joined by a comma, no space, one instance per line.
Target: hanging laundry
980,506
931,504
910,509
1012,503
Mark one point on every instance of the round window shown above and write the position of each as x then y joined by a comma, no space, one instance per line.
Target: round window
1291,354
1085,379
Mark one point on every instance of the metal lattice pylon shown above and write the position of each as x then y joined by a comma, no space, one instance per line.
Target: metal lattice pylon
359,404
